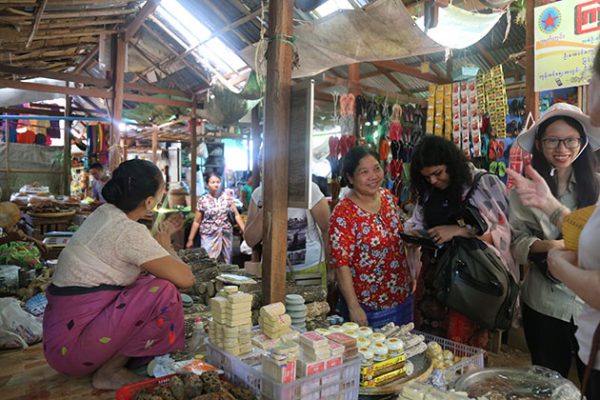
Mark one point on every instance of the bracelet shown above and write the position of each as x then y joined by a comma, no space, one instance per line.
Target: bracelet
556,214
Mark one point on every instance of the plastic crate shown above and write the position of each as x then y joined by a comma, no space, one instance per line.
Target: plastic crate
129,391
341,382
472,357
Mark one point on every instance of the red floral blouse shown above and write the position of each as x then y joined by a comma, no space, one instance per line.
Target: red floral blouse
370,245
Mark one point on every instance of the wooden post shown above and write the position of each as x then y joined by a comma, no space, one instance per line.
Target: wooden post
194,154
256,142
118,87
354,88
532,100
155,144
67,148
276,137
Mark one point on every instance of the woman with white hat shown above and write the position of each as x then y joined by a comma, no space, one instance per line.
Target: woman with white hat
562,144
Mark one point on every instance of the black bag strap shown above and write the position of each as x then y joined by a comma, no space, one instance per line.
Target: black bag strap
474,186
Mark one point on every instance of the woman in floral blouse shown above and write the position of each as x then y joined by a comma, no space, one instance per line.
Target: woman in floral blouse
366,249
216,232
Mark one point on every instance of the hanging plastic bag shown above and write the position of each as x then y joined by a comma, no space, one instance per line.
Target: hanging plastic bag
18,329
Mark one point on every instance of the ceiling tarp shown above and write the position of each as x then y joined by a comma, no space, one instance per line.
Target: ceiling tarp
384,30
458,28
12,97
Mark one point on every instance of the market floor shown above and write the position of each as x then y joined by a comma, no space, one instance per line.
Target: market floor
25,375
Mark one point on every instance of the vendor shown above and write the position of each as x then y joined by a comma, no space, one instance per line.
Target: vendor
9,218
114,296
366,249
100,179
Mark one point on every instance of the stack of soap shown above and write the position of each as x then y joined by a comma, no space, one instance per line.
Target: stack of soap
280,362
349,343
296,309
231,327
314,347
273,320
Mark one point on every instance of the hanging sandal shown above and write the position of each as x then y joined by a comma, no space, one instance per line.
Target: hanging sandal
494,167
501,169
493,149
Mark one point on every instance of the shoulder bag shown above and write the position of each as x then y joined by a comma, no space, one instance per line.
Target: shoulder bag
472,279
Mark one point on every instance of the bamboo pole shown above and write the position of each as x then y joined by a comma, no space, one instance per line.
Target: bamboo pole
36,24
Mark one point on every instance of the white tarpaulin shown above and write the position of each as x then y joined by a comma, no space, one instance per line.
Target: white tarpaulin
384,30
458,28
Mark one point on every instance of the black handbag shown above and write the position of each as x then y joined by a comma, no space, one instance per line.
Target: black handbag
470,277
231,217
472,280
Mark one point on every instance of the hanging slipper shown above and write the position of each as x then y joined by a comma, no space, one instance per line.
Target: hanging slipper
384,149
501,169
493,149
500,150
494,167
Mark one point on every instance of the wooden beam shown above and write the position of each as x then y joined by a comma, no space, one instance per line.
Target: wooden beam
532,100
344,82
224,18
137,23
75,14
61,76
41,87
155,144
67,146
256,143
213,35
486,54
156,100
276,136
405,69
194,154
153,65
86,60
118,61
155,89
395,81
193,68
36,24
59,35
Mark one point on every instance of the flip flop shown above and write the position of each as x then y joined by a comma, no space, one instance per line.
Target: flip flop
384,149
334,147
493,149
493,167
500,151
501,169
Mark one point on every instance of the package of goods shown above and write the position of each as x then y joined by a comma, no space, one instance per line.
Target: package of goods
377,369
448,111
335,380
281,372
429,123
231,327
273,320
385,378
349,343
314,347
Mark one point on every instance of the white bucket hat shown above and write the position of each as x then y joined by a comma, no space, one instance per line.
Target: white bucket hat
527,138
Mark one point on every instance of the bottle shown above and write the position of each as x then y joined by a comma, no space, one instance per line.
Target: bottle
197,343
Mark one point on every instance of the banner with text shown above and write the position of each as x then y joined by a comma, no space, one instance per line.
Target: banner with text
566,35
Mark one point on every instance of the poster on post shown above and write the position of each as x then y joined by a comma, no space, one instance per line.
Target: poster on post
566,35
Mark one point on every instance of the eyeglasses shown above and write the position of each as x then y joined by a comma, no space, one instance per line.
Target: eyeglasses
553,143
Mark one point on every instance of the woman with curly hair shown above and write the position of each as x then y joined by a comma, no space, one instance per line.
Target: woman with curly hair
441,177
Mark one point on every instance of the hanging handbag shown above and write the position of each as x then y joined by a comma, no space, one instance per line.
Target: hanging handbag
231,217
471,279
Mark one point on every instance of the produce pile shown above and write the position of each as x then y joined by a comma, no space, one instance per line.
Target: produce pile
207,386
51,207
